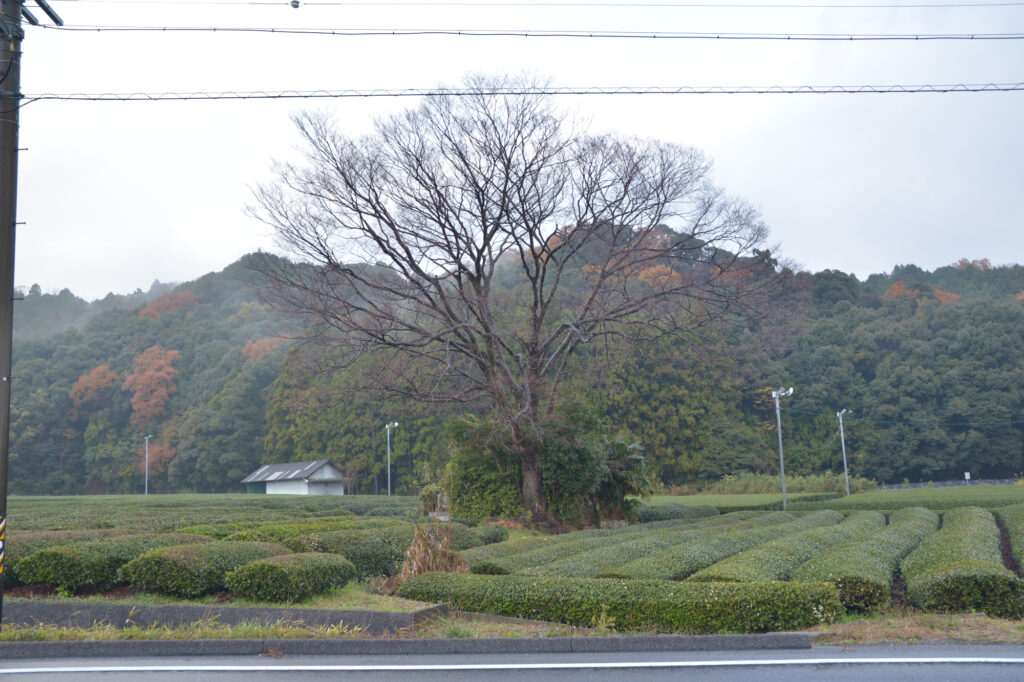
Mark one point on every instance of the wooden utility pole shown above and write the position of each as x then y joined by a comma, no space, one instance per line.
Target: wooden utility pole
10,101
11,34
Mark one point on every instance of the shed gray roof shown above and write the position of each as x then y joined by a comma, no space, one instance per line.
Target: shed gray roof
289,471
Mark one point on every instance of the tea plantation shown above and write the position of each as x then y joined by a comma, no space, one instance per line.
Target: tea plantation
685,566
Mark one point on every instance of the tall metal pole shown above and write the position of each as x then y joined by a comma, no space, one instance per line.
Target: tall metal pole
778,426
10,96
147,463
388,427
782,462
842,440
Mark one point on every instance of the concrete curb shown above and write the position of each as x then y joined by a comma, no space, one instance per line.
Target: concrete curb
86,614
399,646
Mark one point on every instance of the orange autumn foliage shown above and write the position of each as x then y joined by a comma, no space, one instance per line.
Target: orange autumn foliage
899,289
946,296
168,303
257,349
151,383
93,386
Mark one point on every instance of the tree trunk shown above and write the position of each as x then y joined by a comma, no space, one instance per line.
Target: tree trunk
533,496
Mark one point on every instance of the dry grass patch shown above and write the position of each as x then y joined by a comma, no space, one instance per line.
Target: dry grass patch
901,626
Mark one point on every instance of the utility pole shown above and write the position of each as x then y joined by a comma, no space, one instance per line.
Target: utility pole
842,440
778,423
11,34
388,427
10,100
147,464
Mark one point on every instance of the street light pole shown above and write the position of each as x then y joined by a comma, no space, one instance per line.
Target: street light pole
842,440
778,423
388,427
147,463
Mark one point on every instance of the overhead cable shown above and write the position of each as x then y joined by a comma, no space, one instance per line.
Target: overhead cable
540,33
631,5
463,92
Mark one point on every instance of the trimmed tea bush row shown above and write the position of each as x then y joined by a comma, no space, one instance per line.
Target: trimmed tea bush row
378,551
572,544
658,605
679,563
960,568
606,561
775,560
193,570
1013,518
94,565
290,577
464,538
220,531
645,513
863,569
23,544
278,532
988,496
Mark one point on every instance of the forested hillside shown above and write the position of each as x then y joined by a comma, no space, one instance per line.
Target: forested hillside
930,365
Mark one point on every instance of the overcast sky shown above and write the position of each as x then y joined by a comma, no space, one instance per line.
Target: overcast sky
117,194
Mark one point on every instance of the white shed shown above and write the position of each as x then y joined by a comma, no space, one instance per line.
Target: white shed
319,477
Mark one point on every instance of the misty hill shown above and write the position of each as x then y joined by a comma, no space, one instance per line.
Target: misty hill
930,364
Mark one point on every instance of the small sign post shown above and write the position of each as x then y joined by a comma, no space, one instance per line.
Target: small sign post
967,477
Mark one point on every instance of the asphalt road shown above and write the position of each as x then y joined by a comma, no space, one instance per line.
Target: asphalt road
837,664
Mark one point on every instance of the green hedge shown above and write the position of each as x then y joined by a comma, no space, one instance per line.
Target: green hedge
645,513
679,563
22,544
775,560
290,577
657,605
374,552
863,569
607,561
94,565
960,568
195,569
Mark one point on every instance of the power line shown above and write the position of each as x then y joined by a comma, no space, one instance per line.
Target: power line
541,33
463,92
704,5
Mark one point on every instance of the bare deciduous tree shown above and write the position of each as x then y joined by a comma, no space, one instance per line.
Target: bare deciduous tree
483,240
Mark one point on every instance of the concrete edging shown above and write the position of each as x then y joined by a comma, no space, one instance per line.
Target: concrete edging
373,622
401,646
87,614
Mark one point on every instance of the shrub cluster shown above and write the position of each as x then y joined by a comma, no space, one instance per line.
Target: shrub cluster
658,605
678,563
863,569
646,513
194,569
374,552
290,577
93,565
960,568
607,560
775,560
